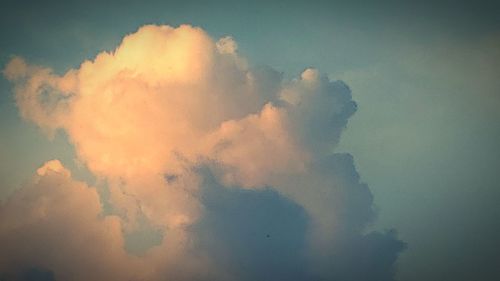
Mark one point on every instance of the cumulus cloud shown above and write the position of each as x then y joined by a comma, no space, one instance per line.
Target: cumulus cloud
232,164
54,223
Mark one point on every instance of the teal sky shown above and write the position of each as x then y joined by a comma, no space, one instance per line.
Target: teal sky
425,77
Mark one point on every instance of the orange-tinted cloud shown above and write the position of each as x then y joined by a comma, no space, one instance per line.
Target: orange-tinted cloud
45,223
146,116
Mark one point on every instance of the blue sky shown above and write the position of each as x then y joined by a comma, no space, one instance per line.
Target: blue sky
424,76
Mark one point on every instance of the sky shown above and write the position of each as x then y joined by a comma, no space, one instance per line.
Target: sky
259,140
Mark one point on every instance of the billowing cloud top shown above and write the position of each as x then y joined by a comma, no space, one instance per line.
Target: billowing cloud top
232,164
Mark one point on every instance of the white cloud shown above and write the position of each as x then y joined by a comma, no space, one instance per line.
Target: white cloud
166,102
